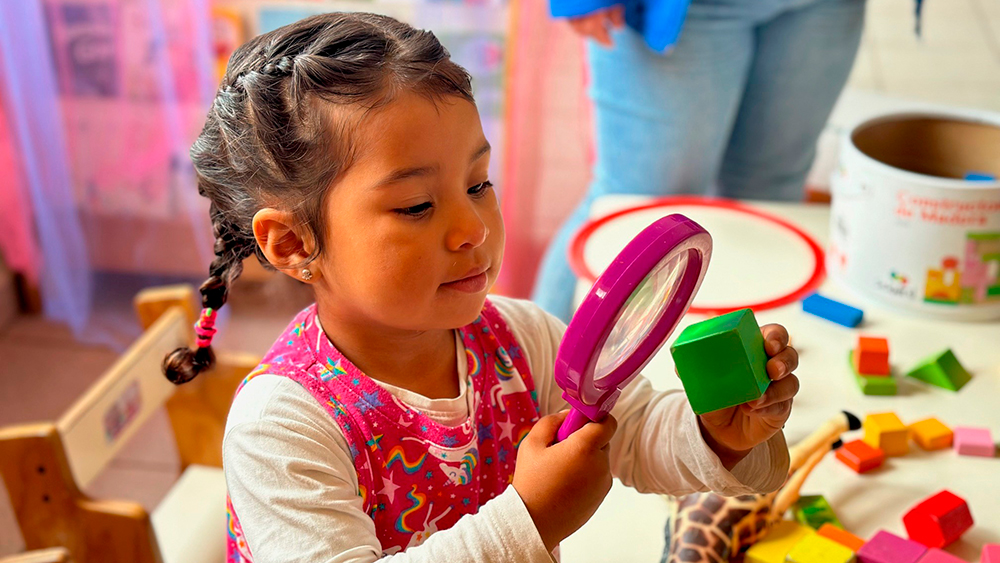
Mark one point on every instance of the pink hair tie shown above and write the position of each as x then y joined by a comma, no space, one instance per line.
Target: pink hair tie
204,329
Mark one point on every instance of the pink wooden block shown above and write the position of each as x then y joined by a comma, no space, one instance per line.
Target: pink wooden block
890,548
935,555
974,441
991,553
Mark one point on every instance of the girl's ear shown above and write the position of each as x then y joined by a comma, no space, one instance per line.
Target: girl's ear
284,241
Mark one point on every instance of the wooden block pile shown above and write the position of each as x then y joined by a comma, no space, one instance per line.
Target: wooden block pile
932,524
887,436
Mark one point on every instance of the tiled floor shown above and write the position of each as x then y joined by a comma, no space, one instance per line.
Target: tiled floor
955,62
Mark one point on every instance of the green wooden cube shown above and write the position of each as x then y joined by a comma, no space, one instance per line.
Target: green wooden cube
883,385
814,511
942,369
722,362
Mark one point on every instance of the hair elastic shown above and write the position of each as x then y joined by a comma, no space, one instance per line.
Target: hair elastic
204,329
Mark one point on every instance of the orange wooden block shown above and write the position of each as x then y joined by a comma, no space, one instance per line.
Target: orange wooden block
859,456
843,537
871,356
932,434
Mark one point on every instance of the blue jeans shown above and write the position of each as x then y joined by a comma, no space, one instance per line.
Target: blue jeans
734,110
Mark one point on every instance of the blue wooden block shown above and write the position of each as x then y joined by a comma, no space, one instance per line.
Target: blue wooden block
979,177
832,310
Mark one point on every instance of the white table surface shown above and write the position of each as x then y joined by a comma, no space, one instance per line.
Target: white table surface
629,526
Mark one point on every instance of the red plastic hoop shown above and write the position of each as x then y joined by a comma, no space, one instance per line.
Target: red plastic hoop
579,265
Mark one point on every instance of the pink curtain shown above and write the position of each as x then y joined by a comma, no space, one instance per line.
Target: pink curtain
18,245
549,147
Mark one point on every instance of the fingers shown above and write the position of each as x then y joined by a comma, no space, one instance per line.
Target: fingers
596,25
617,16
778,392
775,338
597,434
544,431
783,363
774,415
600,31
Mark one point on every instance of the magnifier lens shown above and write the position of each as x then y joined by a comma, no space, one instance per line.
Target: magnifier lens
640,314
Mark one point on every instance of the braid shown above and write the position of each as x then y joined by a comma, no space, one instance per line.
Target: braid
232,246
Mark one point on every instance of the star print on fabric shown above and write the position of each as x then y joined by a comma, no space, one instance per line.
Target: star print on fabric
368,401
389,488
489,461
375,442
356,381
449,441
503,454
429,474
485,431
465,501
354,451
506,430
423,428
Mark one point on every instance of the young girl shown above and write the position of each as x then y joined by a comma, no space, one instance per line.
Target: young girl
404,414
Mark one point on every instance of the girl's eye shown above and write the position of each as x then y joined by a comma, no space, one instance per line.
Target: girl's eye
480,189
414,211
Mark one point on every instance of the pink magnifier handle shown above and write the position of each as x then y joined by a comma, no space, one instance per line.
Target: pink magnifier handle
574,421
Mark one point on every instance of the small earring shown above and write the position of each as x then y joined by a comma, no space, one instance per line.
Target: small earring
307,274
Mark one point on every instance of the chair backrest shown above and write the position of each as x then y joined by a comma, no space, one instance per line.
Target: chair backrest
45,465
112,410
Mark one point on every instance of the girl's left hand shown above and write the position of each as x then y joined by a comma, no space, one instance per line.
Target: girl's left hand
732,432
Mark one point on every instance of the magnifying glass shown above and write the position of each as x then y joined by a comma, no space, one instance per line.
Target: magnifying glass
628,315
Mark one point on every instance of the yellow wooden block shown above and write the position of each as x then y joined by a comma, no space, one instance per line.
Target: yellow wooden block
815,548
887,432
931,434
778,542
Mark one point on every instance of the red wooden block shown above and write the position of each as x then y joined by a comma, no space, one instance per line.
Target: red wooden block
938,520
859,456
871,356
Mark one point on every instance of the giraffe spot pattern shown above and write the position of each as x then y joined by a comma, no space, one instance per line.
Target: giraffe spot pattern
695,536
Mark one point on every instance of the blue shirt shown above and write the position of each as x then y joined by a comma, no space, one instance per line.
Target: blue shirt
659,21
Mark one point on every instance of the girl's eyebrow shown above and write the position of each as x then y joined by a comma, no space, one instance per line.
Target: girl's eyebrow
418,171
482,150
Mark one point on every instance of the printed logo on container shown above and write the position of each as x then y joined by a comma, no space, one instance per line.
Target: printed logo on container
897,284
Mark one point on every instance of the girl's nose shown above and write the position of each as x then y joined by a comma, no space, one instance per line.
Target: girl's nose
468,229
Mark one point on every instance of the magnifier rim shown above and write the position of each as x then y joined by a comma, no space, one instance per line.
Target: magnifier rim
590,327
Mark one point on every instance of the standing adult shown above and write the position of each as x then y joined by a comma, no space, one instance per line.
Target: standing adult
732,107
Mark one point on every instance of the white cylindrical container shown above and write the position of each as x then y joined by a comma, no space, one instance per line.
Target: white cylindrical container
915,217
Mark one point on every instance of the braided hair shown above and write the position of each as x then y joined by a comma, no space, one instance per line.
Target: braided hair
269,141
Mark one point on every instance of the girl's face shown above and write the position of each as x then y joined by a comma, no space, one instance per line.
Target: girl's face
414,236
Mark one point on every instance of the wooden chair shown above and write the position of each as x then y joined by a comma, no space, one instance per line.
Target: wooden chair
45,465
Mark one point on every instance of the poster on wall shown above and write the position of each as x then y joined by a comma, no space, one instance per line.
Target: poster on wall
133,97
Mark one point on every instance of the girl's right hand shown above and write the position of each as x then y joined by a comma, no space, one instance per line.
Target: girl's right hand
563,484
598,25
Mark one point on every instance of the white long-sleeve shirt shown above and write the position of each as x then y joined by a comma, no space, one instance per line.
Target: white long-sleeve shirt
292,481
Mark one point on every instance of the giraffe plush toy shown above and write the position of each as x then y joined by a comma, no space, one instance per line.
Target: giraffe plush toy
712,528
